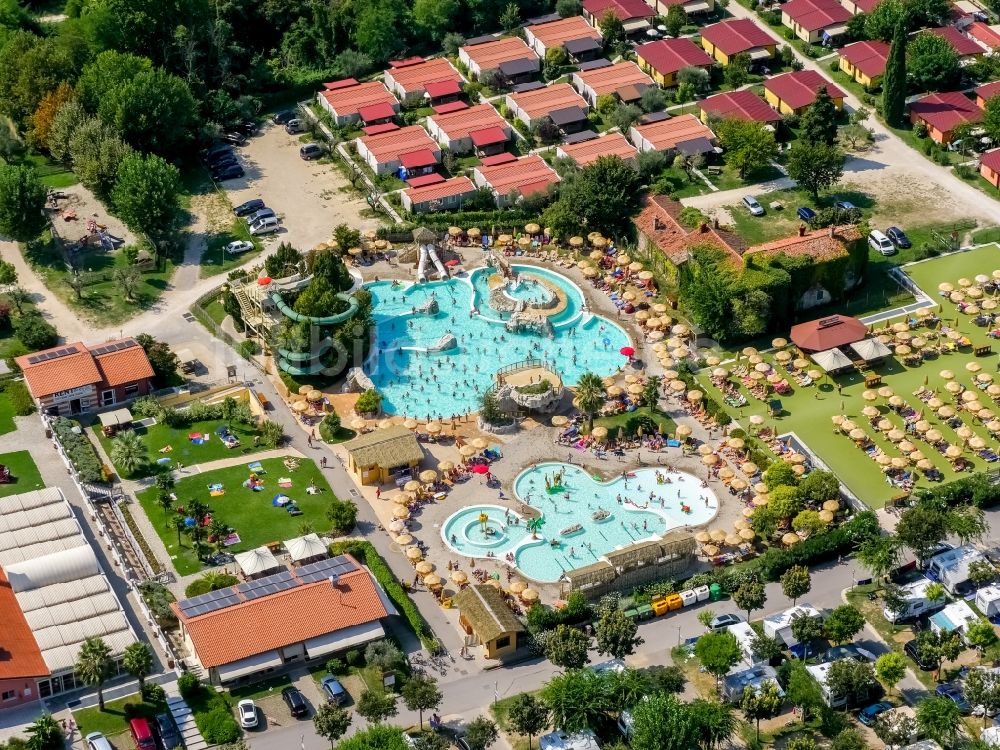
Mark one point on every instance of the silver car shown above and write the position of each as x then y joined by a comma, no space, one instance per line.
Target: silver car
753,206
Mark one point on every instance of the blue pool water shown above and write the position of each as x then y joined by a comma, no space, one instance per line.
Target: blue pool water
637,518
422,383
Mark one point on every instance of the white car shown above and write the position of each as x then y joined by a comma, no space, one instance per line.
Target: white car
247,712
239,247
265,226
753,206
879,242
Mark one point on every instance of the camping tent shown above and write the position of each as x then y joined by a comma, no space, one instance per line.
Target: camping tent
871,349
306,548
257,562
831,360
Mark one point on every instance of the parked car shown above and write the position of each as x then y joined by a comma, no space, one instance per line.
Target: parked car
869,715
237,139
238,247
311,151
246,709
247,208
753,206
226,160
898,237
229,173
880,243
845,205
955,695
910,649
846,652
282,118
248,128
806,214
266,225
216,151
333,690
724,621
263,213
295,701
294,126
170,737
97,741
142,734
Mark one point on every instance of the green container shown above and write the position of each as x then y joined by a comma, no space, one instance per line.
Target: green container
715,592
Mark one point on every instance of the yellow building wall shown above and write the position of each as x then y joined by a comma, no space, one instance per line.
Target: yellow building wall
721,57
661,79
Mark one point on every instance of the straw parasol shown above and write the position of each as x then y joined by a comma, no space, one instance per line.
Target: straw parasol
677,385
738,484
814,374
934,436
600,432
705,449
736,443
756,419
559,420
973,367
432,581
896,401
779,343
474,232
993,425
783,356
635,266
433,427
459,577
964,432
446,466
837,419
385,424
869,395
977,443
529,595
645,275
870,411
953,451
410,424
504,239
683,431
747,534
517,586
710,460
403,540
726,473
953,387
429,475
358,424
694,396
882,460
944,286
703,537
749,468
467,451
857,434
414,553
896,435
710,550
424,567
826,516
718,535
576,241
747,512
922,426
412,486
733,540
885,392
790,539
404,498
300,406
400,512
847,425
946,412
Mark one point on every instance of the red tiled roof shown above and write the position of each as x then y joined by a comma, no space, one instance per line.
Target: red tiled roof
385,127
820,245
380,111
492,161
827,333
813,15
557,33
612,144
744,105
659,221
667,56
341,84
437,89
488,136
415,78
959,42
124,366
799,88
489,55
528,172
611,78
440,190
666,134
82,367
624,10
422,157
545,100
988,35
424,180
387,147
347,101
988,90
283,619
443,109
460,124
20,656
991,159
406,62
739,35
866,6
944,111
868,57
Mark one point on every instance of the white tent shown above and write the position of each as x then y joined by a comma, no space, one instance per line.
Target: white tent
831,360
988,600
306,547
257,561
870,349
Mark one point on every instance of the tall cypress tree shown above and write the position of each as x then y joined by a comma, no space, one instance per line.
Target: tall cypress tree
819,123
894,81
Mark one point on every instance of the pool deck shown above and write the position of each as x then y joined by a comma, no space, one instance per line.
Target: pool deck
531,376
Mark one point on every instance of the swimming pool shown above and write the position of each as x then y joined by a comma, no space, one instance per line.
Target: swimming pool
419,379
579,529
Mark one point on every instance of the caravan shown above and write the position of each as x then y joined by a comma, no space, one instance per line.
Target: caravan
988,601
951,568
956,617
779,626
917,604
745,636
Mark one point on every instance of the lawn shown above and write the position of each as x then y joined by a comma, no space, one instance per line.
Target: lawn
215,260
183,450
216,311
776,224
807,411
111,720
6,415
253,516
618,421
51,174
23,471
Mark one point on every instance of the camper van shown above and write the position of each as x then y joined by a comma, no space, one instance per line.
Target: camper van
819,673
745,636
956,617
951,568
988,601
779,626
917,603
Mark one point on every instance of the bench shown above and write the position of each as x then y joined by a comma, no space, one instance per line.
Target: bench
982,351
713,170
262,400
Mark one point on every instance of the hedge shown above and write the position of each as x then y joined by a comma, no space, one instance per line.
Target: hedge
79,450
977,490
17,393
820,548
366,554
711,405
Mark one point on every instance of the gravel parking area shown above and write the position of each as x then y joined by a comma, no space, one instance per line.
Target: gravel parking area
310,198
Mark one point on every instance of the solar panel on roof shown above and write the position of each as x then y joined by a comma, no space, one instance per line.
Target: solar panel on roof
34,359
317,571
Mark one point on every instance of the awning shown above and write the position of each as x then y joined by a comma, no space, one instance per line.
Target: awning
115,418
422,157
636,24
443,109
343,639
568,115
488,136
581,46
492,161
425,179
437,89
760,54
385,127
869,349
695,146
835,30
380,111
243,667
831,360
515,68
699,7
632,92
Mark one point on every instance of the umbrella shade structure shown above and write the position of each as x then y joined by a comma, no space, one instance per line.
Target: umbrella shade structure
953,451
896,402
257,561
828,333
560,420
896,435
683,431
710,550
756,419
779,343
433,427
400,512
410,424
414,554
993,425
837,419
800,364
517,586
718,535
847,425
397,527
705,449
789,539
726,473
636,389
412,486
736,443
459,577
615,390
884,425
529,595
306,547
738,484
467,451
424,567
934,436
703,537
403,540
749,468
870,411
870,349
953,387
977,443
747,512
710,460
826,516
432,581
883,460
946,412
973,367
446,466
733,540
300,407
869,395
831,505
428,476
783,356
831,360
747,534
479,443
600,432
358,424
935,403
945,286
857,435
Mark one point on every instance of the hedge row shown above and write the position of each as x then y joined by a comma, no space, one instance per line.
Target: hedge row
826,546
79,449
711,406
978,490
17,394
366,554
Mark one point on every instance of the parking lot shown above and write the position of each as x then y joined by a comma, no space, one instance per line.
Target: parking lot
311,198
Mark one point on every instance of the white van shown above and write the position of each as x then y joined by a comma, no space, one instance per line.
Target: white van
878,241
266,225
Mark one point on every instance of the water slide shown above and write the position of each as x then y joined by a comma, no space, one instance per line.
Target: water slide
422,264
290,361
442,271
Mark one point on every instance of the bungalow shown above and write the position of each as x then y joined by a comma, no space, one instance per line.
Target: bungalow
664,58
742,105
634,14
963,45
779,625
510,178
691,7
793,92
859,6
623,80
942,113
684,133
575,36
988,36
484,615
408,148
509,55
479,128
427,194
953,618
865,62
610,144
986,92
417,78
989,167
729,38
344,100
815,21
559,102
377,457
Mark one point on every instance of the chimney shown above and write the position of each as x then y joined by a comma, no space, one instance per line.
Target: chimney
703,228
657,224
832,230
802,230
715,222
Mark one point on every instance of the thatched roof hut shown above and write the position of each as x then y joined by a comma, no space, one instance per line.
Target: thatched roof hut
486,615
373,456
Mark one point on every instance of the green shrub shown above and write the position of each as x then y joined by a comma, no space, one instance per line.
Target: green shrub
154,694
271,433
79,450
158,598
820,548
189,685
20,400
368,402
331,431
219,727
355,657
336,666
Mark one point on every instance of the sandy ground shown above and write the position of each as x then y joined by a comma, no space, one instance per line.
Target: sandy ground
86,206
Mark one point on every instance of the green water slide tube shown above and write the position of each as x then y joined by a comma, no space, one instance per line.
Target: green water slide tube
291,362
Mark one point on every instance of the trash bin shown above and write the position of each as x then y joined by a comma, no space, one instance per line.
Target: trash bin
715,592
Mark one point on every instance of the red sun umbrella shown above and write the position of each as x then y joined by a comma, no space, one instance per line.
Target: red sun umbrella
452,263
264,280
628,351
481,469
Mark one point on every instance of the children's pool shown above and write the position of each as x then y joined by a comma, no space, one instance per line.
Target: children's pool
419,381
572,532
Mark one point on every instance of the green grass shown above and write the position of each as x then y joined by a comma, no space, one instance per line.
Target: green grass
23,471
618,421
50,174
263,689
111,720
250,513
917,144
216,311
777,224
184,451
215,260
6,416
990,234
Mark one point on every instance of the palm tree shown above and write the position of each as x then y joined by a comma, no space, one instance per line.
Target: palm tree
651,391
94,665
219,531
590,396
138,661
128,452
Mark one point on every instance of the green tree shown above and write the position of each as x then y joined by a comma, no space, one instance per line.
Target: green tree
850,680
895,728
383,654
815,166
676,20
848,739
932,63
938,718
737,72
34,331
590,396
662,722
127,278
30,67
146,194
105,73
718,651
880,555
981,572
481,733
982,691
616,635
22,198
43,117
780,474
377,706
626,115
843,623
137,660
343,514
894,79
331,721
510,19
527,715
435,17
750,596
94,666
567,8
128,452
763,702
139,108
44,733
577,699
882,21
651,391
613,31
890,668
567,647
750,145
628,686
96,152
796,582
980,635
819,123
803,690
698,79
808,522
421,694
715,723
991,118
806,630
604,195
765,648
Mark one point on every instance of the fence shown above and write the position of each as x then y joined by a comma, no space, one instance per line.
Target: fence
198,311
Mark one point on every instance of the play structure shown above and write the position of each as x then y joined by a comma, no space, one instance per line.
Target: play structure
307,363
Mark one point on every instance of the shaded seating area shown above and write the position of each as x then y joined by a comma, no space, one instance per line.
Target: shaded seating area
306,549
871,350
257,562
113,422
832,360
485,614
